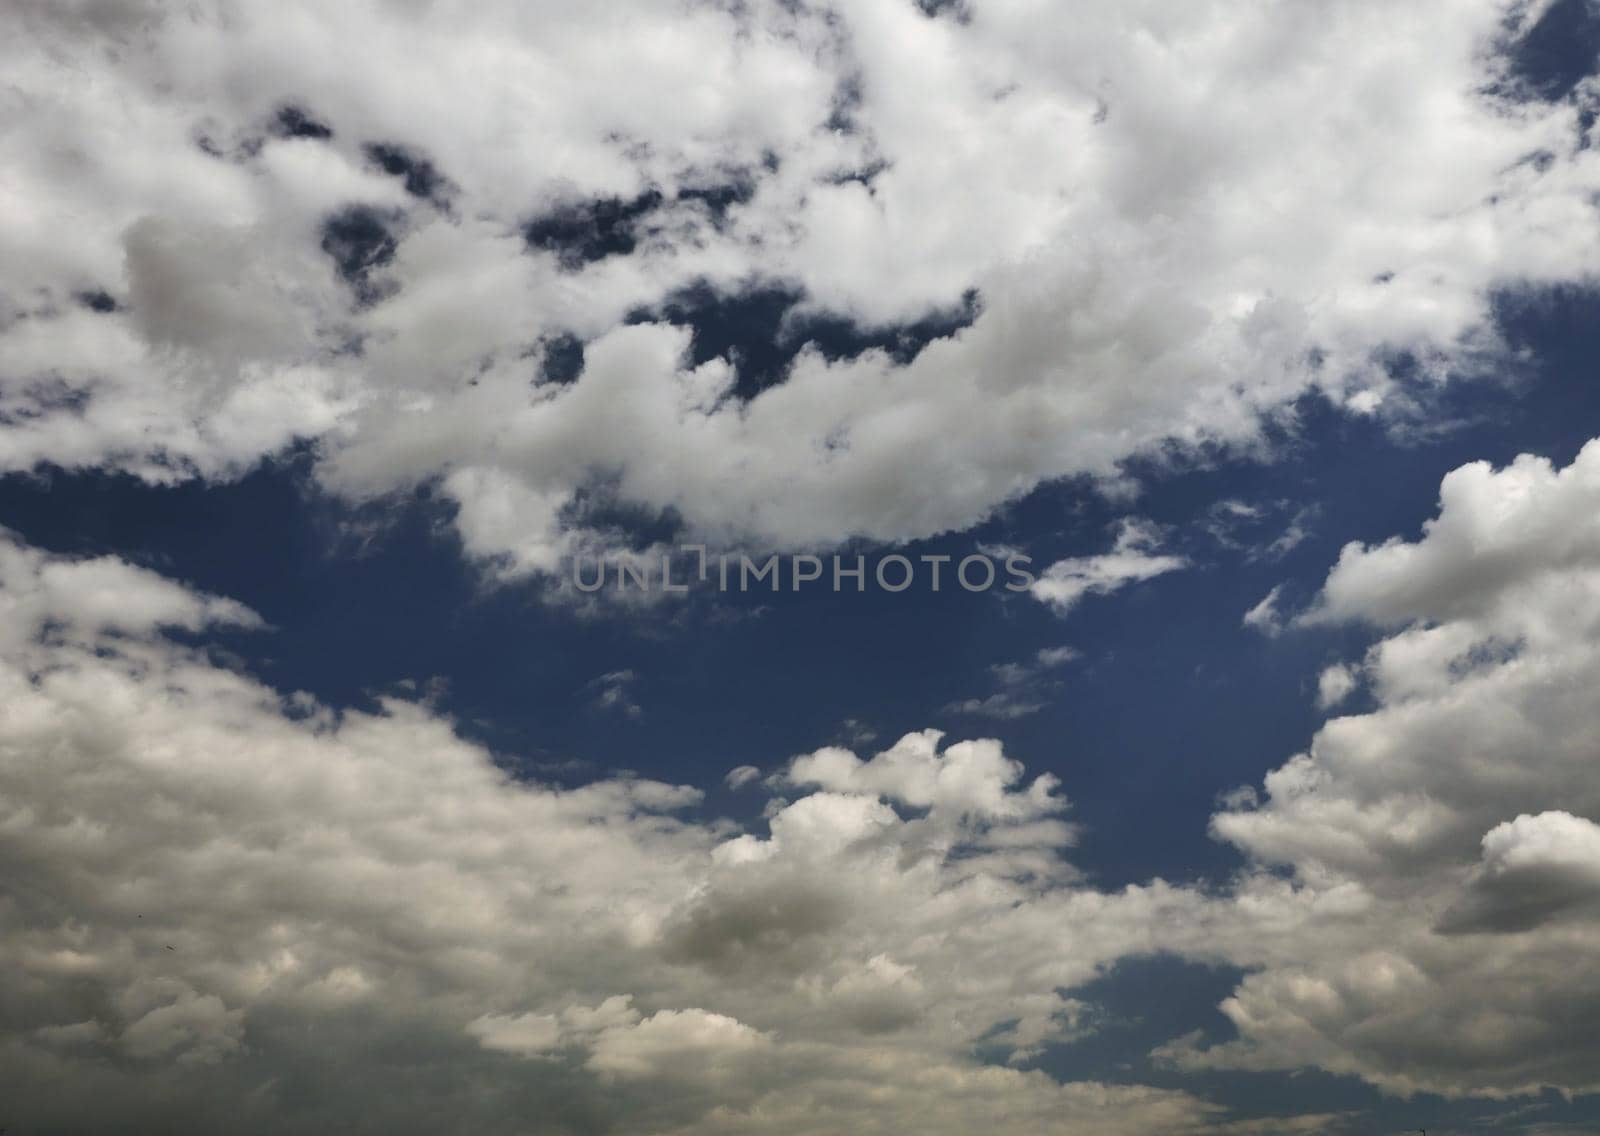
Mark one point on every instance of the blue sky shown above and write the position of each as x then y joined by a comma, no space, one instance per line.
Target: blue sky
332,804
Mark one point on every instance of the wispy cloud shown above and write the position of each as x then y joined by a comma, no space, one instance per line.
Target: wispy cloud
613,693
1134,556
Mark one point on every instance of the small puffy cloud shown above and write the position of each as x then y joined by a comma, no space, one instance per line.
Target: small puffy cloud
1265,616
1334,685
1057,656
1135,556
967,778
741,775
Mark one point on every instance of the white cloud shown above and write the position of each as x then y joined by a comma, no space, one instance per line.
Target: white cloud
1134,557
1438,927
1334,685
1265,616
1499,535
1057,656
741,775
968,778
1306,201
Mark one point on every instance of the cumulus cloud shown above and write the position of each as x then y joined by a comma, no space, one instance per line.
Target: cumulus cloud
475,255
231,894
214,869
1334,685
1435,930
1535,869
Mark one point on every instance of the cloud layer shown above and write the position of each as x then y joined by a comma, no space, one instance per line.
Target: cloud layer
226,895
492,249
231,907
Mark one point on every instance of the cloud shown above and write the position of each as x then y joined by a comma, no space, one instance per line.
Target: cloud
676,1043
1057,656
1134,557
254,912
1334,685
1500,535
1418,905
1000,705
1421,910
1023,687
489,253
1253,529
742,775
1535,870
78,600
613,692
1265,616
527,1034
969,778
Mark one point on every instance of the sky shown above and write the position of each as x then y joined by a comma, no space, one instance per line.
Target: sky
1251,345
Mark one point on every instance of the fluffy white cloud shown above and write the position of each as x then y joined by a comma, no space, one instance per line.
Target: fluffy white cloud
1438,926
1335,684
1174,215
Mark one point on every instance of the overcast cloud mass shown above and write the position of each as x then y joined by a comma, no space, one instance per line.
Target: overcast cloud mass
1123,288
